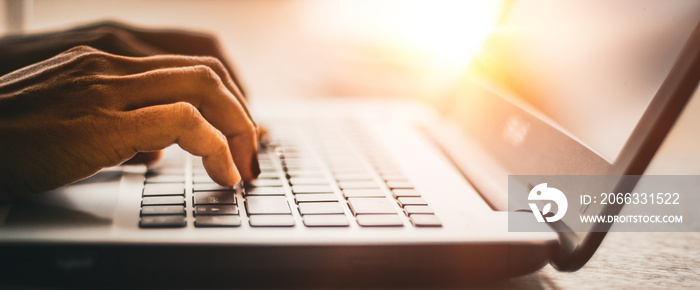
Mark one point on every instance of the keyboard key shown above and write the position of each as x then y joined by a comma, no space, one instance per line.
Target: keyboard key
214,197
197,178
264,191
404,201
166,170
199,171
164,221
384,164
394,177
311,189
210,187
371,206
174,178
268,167
306,174
262,154
388,171
200,210
296,154
266,163
267,205
265,183
348,171
358,184
163,200
315,197
307,162
162,210
354,177
218,221
301,167
272,220
426,220
332,220
348,193
269,175
405,193
308,181
347,160
155,189
341,167
320,208
197,162
400,184
418,209
379,220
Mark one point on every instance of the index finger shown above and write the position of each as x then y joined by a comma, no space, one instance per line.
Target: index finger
200,86
142,64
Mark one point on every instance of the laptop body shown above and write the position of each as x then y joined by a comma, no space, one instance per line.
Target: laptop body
457,157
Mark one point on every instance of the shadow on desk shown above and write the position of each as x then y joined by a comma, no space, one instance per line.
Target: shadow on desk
626,261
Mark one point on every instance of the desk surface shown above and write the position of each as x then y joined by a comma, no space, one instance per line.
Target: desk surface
627,260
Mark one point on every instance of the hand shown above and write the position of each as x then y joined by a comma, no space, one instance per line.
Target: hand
116,38
65,118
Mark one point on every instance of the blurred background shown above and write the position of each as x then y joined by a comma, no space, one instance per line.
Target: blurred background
383,48
343,48
292,48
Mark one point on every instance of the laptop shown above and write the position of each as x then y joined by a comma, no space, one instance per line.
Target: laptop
368,192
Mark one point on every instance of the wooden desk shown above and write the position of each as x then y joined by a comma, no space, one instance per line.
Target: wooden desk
626,260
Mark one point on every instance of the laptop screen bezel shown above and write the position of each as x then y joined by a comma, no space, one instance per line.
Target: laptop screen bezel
488,113
653,127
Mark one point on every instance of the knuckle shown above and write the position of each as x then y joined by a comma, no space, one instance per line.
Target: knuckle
93,61
216,64
95,87
187,116
213,62
205,73
90,84
80,49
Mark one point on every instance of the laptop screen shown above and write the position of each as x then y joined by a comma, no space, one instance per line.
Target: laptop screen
576,88
589,67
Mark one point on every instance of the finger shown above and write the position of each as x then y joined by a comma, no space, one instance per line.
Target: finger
201,87
263,136
156,127
119,42
143,64
156,41
182,42
114,38
23,51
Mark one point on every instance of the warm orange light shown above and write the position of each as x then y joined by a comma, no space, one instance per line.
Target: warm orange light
442,34
400,46
446,33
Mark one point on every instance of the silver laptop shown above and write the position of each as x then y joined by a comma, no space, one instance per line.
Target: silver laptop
366,192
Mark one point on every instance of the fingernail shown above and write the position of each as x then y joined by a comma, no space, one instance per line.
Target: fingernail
256,165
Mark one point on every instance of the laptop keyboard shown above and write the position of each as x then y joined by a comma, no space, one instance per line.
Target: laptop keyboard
315,175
